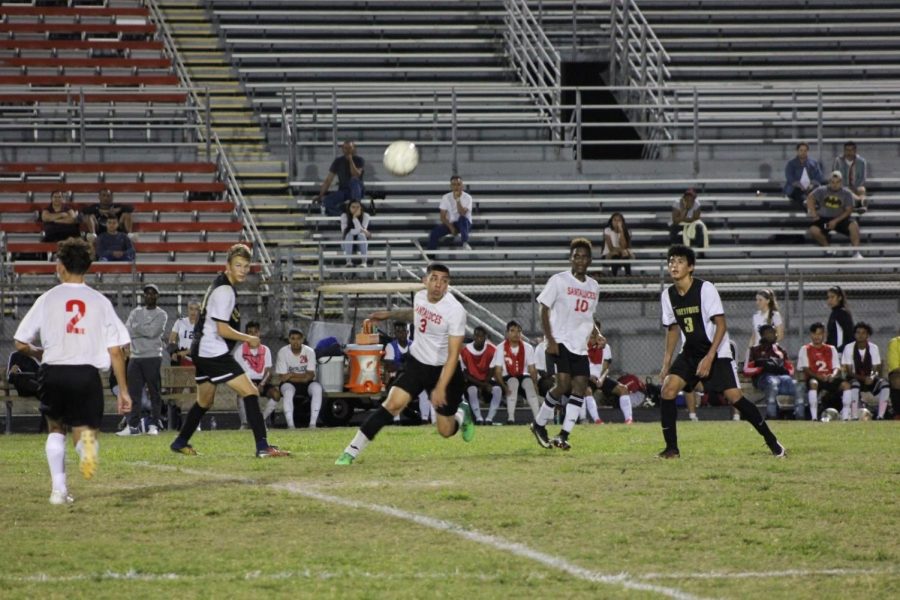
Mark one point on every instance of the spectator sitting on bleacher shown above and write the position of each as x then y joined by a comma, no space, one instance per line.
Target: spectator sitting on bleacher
830,207
802,175
60,220
686,226
112,244
771,369
853,169
105,208
182,336
456,215
617,243
349,169
355,231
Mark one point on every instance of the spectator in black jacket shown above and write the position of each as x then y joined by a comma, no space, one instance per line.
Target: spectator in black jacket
840,321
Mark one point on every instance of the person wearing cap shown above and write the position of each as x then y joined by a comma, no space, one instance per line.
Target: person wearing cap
686,224
830,206
771,369
146,325
802,175
854,169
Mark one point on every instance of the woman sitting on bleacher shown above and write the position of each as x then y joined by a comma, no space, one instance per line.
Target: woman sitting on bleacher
60,220
355,231
617,243
686,227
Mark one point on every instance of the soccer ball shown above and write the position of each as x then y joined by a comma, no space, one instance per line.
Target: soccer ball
830,414
401,158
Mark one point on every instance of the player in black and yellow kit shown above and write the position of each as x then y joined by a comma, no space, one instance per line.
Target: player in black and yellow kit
693,307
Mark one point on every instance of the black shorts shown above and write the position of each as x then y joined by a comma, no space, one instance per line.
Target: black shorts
722,375
608,387
830,387
417,377
217,369
72,394
843,227
567,362
878,384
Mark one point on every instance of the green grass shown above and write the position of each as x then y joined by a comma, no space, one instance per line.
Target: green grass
224,524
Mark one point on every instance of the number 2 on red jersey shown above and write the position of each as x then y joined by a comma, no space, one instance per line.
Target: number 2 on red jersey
78,307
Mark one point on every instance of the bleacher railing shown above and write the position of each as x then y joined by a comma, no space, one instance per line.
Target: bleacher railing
205,133
534,59
637,65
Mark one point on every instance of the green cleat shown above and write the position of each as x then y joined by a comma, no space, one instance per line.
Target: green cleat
468,424
345,459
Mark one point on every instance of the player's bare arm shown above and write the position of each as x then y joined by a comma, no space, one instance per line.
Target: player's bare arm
439,393
498,376
552,346
402,314
705,365
671,341
123,399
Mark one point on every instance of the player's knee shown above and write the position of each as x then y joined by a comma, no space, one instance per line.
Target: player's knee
621,390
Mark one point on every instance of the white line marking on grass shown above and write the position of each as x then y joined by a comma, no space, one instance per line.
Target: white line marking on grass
767,574
498,543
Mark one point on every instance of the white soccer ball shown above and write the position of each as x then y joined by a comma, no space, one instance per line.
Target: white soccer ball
401,158
830,414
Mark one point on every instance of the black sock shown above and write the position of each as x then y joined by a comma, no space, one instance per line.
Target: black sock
895,401
191,421
256,422
750,413
669,417
375,422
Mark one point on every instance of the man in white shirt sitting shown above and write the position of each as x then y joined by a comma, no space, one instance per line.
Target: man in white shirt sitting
295,367
514,369
456,215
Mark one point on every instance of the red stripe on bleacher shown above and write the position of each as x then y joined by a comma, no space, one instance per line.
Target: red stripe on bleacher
132,97
135,186
118,63
83,11
76,28
112,167
55,80
82,44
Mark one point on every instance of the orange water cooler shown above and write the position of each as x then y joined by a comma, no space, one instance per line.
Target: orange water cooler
365,361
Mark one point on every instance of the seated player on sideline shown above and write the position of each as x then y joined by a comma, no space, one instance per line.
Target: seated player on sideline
819,366
476,358
514,369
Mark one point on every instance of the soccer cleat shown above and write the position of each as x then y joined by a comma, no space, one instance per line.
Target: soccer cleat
153,430
598,421
88,463
126,431
670,453
58,497
693,417
185,449
488,422
345,459
561,443
468,425
272,452
540,434
778,451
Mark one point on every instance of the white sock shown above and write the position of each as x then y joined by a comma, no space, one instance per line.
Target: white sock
572,412
531,396
625,405
545,412
496,397
846,399
883,397
812,396
475,403
358,444
460,417
424,407
854,404
55,449
270,408
582,413
590,404
315,403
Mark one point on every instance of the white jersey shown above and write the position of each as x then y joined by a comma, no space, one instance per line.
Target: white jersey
288,362
184,329
219,305
572,304
596,369
250,360
434,325
448,203
847,355
760,318
500,358
540,356
76,325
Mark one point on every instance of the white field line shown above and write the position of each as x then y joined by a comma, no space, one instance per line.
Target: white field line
498,543
768,574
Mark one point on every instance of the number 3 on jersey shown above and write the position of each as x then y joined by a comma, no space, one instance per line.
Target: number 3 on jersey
78,307
581,305
422,324
689,324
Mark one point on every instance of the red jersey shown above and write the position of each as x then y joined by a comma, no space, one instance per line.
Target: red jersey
478,364
822,361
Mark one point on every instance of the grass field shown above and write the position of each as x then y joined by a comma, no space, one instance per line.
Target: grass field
419,516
